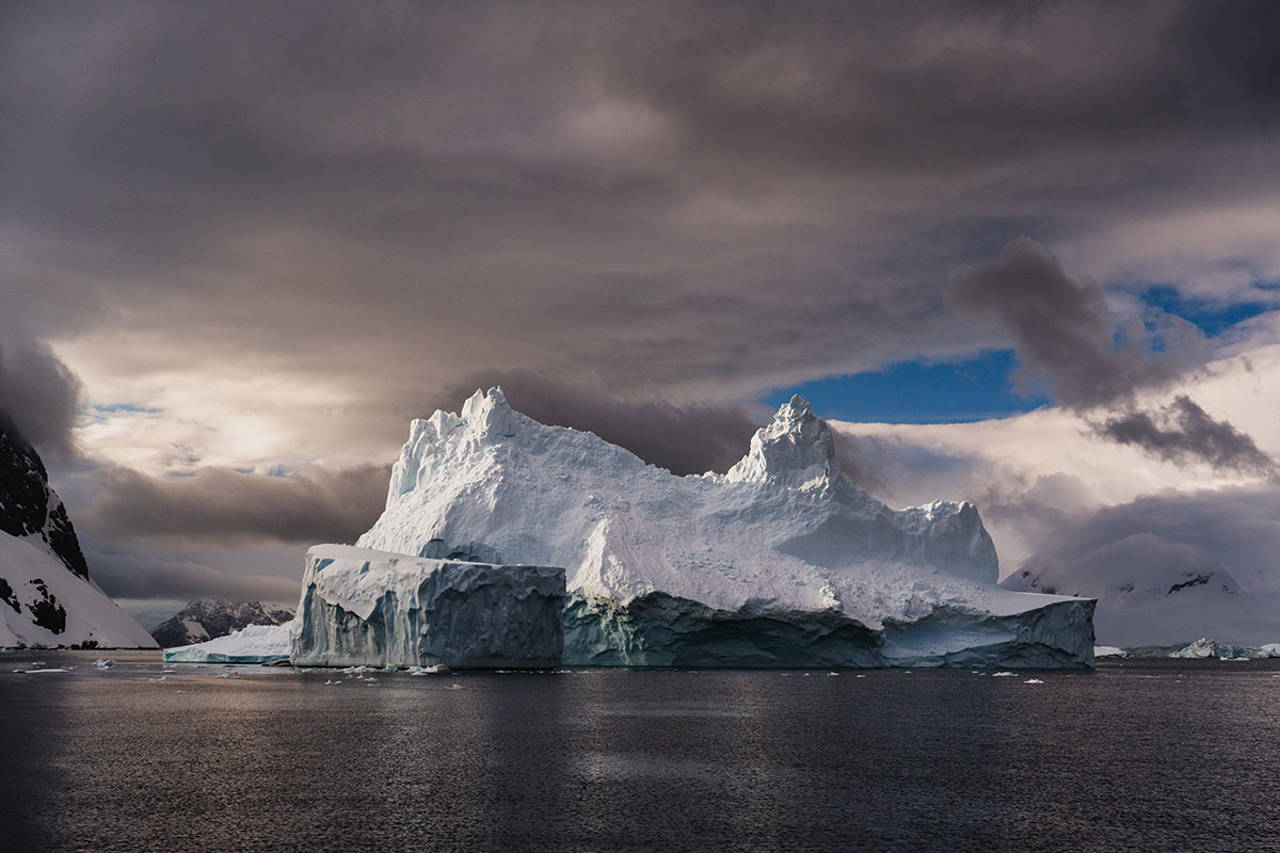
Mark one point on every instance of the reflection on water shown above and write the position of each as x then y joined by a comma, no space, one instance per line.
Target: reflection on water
1164,755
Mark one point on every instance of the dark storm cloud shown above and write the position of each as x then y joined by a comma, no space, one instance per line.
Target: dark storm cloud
1065,335
1064,332
721,197
1237,529
223,506
683,438
1186,432
148,576
39,394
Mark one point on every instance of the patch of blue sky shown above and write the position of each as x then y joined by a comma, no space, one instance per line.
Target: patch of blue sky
128,408
1212,318
913,392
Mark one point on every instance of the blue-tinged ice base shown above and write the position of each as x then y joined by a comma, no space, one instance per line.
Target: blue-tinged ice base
659,630
376,608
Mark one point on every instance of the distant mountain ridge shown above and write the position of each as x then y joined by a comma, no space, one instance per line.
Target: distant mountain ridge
206,619
46,595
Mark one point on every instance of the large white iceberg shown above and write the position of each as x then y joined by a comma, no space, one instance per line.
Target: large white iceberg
251,644
369,607
783,561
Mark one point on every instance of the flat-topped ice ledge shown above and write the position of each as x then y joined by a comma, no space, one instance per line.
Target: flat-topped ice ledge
361,606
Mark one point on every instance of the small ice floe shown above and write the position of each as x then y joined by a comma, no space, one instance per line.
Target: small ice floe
859,676
38,671
104,663
428,670
182,691
358,670
455,686
1033,681
161,678
224,675
390,668
1005,674
807,674
371,682
832,673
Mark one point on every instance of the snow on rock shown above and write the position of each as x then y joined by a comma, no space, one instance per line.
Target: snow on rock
46,596
204,620
781,561
1151,593
361,607
251,644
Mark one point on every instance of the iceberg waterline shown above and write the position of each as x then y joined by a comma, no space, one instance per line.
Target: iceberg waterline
782,561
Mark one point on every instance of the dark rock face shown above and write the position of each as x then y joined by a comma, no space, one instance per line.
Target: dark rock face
204,620
28,507
46,611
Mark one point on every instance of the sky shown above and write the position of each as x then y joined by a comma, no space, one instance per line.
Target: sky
243,244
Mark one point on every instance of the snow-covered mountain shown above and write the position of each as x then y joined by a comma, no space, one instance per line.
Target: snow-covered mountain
781,561
46,596
1156,602
204,620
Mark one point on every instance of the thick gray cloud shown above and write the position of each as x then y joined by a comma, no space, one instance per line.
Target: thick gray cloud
1237,528
687,438
1065,334
39,394
1187,433
708,201
1067,338
123,575
229,507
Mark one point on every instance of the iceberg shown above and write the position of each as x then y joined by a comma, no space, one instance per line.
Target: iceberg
782,561
251,644
1207,648
362,607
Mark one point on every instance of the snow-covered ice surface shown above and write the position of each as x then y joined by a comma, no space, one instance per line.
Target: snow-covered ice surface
251,644
1109,652
782,561
360,606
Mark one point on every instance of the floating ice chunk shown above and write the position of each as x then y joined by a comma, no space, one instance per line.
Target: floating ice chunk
1005,674
428,670
252,644
38,671
101,663
1033,681
1109,652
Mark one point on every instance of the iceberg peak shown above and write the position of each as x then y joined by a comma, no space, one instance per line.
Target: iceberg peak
489,413
797,447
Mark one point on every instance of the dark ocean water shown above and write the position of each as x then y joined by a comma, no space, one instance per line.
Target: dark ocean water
1156,756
